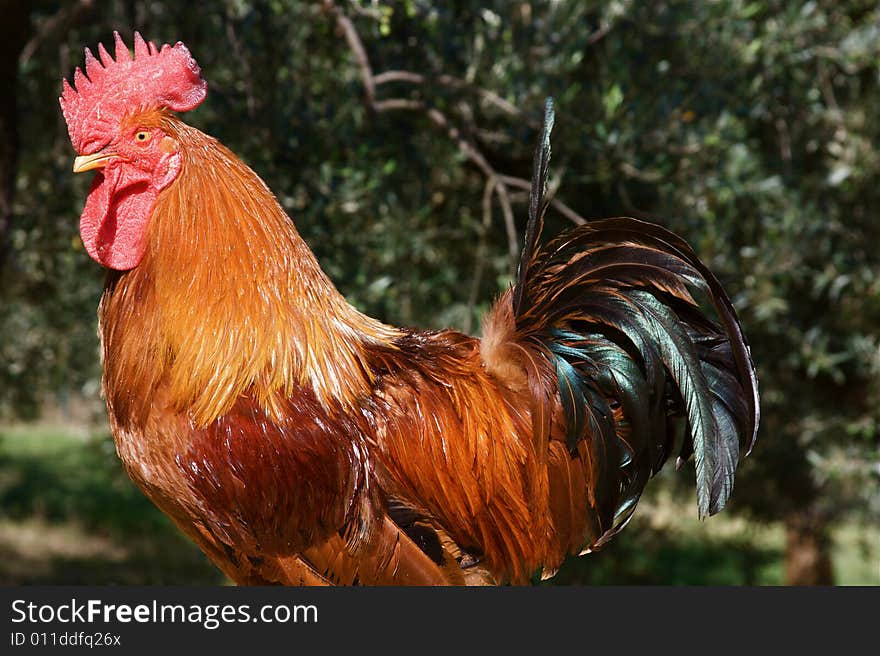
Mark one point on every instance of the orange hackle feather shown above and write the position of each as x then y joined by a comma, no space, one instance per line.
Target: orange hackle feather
298,441
229,297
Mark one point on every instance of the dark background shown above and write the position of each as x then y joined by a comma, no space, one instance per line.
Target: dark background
751,128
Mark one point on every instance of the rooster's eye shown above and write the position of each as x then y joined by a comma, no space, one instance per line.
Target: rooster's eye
142,136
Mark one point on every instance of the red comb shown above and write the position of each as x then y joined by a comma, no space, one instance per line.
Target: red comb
167,77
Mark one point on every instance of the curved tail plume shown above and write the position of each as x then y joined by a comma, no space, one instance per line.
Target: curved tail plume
614,305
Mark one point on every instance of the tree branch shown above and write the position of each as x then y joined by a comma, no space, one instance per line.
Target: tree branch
557,204
467,148
495,183
357,47
599,34
480,259
488,96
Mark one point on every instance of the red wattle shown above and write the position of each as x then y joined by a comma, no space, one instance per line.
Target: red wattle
113,225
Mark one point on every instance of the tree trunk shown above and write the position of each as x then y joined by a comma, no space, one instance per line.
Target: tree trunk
807,558
14,31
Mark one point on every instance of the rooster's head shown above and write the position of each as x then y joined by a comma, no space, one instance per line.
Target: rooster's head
118,117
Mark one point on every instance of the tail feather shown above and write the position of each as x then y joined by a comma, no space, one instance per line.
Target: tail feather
652,234
682,364
612,306
537,203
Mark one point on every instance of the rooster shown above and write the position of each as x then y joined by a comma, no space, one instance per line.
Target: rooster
297,441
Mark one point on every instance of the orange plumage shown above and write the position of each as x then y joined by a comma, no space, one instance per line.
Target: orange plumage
296,440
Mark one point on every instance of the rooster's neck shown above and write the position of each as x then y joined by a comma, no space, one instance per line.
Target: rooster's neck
229,301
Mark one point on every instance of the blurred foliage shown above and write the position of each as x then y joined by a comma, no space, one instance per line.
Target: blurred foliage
751,128
70,514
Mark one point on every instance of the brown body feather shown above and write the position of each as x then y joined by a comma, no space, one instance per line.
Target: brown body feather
298,441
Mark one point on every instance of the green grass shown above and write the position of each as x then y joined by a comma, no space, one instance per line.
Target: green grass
665,544
70,515
857,554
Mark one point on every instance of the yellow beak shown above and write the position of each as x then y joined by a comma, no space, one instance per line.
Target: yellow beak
89,162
